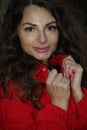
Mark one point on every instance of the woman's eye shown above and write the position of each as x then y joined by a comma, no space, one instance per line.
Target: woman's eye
29,29
52,28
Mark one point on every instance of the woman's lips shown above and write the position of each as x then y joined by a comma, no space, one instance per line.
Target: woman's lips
41,49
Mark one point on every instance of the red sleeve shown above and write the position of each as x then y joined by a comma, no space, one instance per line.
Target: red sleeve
82,111
15,115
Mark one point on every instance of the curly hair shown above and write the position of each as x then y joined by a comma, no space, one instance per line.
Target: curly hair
18,66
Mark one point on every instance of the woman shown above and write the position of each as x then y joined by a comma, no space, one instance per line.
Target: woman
40,81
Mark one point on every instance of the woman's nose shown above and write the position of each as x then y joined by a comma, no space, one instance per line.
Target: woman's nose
42,37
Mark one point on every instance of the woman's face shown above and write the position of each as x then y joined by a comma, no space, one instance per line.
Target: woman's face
38,32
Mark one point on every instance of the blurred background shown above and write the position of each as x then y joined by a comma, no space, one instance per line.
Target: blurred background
81,5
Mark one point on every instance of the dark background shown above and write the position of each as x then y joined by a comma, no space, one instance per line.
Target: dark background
81,5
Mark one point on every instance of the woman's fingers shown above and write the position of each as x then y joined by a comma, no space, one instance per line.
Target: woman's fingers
58,87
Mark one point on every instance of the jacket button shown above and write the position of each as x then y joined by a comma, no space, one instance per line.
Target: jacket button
76,115
44,69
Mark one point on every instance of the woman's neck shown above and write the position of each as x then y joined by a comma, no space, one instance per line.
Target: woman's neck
45,62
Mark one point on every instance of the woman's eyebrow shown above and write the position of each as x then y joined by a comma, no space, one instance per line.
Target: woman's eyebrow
29,23
52,22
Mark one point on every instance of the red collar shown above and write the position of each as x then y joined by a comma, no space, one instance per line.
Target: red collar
41,73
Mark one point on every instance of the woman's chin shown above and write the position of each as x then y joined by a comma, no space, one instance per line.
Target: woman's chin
42,58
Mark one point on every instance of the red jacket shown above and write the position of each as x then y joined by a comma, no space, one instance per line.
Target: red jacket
15,115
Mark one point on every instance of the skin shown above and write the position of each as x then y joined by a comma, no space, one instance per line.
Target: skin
39,36
75,71
38,32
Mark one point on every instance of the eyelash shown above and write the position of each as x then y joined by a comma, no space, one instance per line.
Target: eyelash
30,29
53,28
50,28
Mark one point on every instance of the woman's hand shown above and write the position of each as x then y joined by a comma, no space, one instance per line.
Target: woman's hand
59,89
74,71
